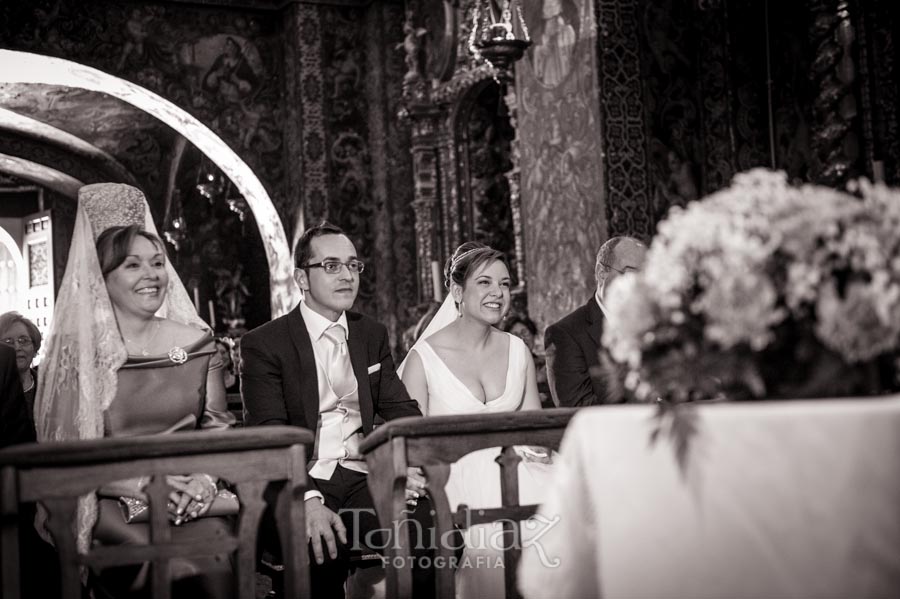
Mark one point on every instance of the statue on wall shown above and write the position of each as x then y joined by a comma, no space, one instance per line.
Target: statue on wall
412,45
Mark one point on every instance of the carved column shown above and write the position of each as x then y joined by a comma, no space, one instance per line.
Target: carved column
879,75
293,122
835,141
515,197
449,186
426,192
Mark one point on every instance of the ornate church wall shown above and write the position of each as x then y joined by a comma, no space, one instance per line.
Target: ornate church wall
564,210
307,95
351,156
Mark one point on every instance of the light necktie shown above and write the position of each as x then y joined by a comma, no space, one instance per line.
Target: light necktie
340,370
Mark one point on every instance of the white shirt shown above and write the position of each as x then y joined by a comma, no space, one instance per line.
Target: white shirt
600,303
339,428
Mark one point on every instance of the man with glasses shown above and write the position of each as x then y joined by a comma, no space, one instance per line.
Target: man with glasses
327,369
573,344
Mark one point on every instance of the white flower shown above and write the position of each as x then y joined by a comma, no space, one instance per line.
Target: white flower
852,326
631,316
725,272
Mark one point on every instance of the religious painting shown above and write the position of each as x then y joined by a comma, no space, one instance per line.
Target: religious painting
553,26
562,181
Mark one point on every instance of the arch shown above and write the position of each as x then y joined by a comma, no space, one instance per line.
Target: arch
39,132
43,175
26,67
7,241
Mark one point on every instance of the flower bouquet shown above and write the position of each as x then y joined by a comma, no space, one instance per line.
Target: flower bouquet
765,290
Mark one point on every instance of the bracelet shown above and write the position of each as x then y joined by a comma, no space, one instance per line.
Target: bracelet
211,480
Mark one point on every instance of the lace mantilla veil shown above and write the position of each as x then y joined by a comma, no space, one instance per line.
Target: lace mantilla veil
84,348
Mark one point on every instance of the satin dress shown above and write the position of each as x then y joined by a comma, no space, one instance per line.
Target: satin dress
157,395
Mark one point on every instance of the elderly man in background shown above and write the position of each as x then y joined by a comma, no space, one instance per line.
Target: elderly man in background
573,344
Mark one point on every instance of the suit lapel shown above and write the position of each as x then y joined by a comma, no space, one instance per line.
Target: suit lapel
594,321
360,361
308,377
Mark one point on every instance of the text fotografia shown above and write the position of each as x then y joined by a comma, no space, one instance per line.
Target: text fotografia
483,538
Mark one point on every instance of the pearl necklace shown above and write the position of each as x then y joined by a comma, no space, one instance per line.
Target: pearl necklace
29,387
144,348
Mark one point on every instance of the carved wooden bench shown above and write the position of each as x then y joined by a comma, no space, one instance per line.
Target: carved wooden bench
435,443
56,474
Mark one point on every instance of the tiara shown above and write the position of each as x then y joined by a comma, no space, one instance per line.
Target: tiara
112,205
454,262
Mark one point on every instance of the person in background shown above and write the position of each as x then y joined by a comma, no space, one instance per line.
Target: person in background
525,329
574,372
38,561
15,424
24,337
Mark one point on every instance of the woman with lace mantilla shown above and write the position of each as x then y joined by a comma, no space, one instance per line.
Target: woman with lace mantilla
147,374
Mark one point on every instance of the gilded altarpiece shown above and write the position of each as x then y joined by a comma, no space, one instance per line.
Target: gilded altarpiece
461,115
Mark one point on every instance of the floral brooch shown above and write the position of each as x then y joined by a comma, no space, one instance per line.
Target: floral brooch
178,355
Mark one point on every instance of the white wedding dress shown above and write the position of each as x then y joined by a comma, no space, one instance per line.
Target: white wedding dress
475,478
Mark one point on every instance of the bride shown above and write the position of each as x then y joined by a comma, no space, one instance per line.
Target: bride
462,364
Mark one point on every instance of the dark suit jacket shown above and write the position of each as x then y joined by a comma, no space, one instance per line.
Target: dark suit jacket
15,424
574,369
279,383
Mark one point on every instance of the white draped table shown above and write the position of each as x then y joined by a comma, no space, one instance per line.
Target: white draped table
778,499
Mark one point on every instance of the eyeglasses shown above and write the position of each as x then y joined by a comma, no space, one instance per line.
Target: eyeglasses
23,341
333,267
621,272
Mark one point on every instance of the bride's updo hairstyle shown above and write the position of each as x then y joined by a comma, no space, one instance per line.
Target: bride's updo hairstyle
467,259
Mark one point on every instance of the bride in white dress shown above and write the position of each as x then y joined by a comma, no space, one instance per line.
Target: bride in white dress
462,364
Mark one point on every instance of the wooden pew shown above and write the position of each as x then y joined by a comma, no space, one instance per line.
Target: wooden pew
56,474
434,443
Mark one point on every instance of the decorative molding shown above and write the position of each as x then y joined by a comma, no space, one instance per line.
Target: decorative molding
716,91
295,183
346,112
399,174
269,5
835,107
449,172
461,83
628,199
880,75
514,176
424,123
315,175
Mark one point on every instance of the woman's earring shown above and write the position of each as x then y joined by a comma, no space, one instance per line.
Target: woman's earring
459,306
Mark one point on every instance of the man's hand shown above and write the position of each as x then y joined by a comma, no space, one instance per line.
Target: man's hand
415,485
319,524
